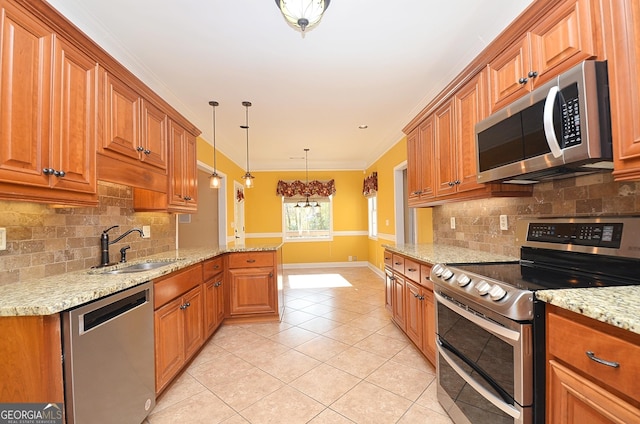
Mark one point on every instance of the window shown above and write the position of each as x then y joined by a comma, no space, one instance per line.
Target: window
372,202
307,223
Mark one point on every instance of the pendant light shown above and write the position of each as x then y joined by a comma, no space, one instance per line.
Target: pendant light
302,14
306,204
248,178
214,179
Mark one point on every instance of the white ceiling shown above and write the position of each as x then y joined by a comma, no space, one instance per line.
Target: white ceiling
369,62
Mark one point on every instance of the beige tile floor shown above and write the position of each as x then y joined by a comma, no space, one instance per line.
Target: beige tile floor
336,357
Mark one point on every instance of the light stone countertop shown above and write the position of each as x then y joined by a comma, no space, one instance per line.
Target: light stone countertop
51,295
439,253
618,306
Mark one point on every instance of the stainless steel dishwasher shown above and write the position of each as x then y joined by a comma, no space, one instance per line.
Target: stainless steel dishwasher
109,359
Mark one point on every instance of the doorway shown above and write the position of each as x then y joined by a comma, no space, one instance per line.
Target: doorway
238,214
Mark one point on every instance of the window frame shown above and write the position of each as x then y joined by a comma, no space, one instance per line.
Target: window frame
372,216
306,238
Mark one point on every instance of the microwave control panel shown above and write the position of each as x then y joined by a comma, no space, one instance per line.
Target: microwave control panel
584,234
570,113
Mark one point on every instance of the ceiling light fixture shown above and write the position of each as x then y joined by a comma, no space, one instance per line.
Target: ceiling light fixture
302,14
306,203
214,179
248,178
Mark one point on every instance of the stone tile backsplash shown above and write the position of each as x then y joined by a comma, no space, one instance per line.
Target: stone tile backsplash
478,221
44,241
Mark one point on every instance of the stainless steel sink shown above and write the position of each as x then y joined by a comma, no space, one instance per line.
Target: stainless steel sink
139,267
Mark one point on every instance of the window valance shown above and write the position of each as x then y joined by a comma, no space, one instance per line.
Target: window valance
370,185
314,188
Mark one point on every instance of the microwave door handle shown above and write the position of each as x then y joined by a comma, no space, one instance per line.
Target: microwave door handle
547,119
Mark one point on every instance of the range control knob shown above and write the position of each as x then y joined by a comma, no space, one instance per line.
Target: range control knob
497,292
437,270
447,274
483,288
463,280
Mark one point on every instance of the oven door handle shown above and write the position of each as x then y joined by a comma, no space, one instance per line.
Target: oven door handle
490,326
495,400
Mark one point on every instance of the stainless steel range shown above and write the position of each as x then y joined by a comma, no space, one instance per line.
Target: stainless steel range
490,328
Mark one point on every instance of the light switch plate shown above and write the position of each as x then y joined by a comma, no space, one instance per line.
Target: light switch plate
146,230
504,224
3,239
453,222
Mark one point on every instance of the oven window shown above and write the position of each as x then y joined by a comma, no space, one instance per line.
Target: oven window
475,407
489,353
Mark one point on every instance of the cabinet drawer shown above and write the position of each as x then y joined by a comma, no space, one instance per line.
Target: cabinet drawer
425,271
173,285
388,259
412,270
569,341
251,259
398,264
211,267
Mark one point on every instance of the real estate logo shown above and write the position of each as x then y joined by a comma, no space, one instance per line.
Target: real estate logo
30,413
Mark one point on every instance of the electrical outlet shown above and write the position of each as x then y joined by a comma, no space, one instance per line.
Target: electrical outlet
453,222
504,224
3,239
146,229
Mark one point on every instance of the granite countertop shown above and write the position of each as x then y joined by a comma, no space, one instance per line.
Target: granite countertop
439,253
618,306
51,295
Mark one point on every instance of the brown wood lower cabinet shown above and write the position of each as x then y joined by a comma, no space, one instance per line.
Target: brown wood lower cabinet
581,390
178,322
409,297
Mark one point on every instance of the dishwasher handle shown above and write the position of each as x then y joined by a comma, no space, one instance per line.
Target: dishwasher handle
93,319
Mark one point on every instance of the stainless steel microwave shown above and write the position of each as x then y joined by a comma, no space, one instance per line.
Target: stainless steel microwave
560,129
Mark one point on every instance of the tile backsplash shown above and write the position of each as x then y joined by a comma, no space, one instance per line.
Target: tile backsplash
478,221
44,241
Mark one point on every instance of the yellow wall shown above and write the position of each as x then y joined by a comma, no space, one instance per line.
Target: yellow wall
263,209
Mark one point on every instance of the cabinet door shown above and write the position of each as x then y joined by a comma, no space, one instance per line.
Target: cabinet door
399,301
169,335
427,161
253,291
414,167
154,136
429,327
213,304
122,113
183,184
414,312
508,78
73,147
388,291
572,399
622,27
470,108
563,39
25,89
445,150
193,321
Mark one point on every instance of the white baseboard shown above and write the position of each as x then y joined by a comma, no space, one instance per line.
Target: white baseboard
353,264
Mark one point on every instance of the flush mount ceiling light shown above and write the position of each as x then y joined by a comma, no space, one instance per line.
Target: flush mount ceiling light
214,179
302,14
248,178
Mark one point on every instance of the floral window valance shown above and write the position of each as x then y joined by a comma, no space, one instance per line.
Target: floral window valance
314,188
370,185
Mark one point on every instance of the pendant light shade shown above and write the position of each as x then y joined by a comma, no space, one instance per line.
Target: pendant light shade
248,178
214,179
302,14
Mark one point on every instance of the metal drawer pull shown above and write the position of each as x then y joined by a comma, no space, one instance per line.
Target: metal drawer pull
251,261
593,357
412,270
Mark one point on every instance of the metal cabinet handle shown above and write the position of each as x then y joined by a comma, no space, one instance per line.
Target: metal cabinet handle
412,270
140,148
59,174
187,198
270,274
250,261
532,74
48,171
397,263
146,152
217,284
420,297
183,306
593,357
523,80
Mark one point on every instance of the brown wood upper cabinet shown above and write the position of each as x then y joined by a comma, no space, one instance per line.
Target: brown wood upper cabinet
47,125
562,39
183,178
420,163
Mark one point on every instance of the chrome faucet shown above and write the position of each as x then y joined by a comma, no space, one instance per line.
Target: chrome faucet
105,243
